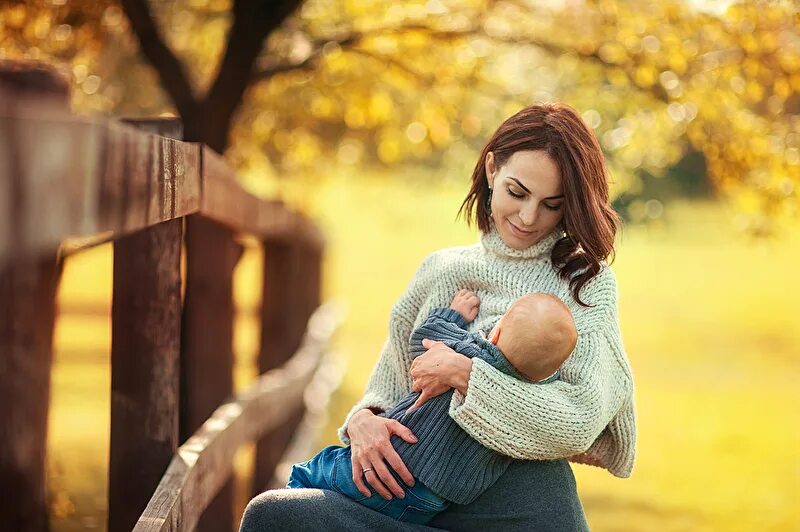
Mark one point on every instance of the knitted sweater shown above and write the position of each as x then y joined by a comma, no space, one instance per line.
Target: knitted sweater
587,415
445,458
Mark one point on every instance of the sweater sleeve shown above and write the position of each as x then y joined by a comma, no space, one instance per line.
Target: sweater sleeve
442,325
543,422
389,381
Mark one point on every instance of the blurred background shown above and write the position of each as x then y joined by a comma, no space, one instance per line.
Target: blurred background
369,116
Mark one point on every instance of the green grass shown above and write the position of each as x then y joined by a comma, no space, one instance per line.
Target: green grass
710,323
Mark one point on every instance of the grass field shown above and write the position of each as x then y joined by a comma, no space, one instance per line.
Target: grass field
710,322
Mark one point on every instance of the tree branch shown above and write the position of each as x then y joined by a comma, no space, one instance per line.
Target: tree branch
253,21
170,69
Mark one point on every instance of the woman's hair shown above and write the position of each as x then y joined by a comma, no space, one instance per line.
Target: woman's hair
589,220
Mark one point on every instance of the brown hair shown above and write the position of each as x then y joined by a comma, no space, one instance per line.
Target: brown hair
589,222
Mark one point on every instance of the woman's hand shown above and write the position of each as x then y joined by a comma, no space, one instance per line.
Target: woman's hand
437,370
371,449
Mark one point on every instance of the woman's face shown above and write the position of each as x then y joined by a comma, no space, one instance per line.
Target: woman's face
527,199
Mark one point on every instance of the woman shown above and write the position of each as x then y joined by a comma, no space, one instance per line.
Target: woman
539,196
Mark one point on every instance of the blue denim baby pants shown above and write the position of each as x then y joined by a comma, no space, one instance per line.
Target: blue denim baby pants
331,469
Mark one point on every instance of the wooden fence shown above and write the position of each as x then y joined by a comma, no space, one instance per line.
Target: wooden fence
68,183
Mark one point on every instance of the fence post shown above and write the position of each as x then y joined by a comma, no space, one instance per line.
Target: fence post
207,340
145,354
27,309
291,292
27,313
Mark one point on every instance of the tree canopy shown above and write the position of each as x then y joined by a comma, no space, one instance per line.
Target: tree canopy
385,82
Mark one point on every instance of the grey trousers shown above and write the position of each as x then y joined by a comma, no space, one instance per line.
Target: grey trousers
530,496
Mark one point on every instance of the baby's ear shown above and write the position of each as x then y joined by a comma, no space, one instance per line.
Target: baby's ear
494,336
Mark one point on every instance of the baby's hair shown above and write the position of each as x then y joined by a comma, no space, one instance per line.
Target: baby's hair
538,334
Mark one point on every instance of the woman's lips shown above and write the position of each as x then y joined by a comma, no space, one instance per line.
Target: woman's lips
519,232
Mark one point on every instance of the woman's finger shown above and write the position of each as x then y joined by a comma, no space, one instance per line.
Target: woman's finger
423,397
371,476
396,463
387,479
358,478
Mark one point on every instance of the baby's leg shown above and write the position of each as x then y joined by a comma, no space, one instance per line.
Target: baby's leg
331,469
317,472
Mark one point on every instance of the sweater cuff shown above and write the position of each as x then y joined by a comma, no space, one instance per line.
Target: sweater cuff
464,408
450,315
368,401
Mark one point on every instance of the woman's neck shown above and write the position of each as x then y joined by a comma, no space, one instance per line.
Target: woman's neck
493,242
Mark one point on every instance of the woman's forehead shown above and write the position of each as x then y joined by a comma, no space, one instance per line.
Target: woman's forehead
534,170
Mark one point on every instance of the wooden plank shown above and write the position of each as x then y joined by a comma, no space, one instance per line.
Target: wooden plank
146,178
227,202
98,176
27,313
207,338
205,461
104,176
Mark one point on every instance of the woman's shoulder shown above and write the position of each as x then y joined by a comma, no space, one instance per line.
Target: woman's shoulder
602,288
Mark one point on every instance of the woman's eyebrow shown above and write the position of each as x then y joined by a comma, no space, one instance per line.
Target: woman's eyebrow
523,187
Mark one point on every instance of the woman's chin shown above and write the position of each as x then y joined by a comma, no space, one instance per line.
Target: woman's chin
518,242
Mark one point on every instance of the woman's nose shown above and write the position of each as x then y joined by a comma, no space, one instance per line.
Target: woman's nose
527,216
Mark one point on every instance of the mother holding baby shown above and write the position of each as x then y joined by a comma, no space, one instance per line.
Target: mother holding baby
539,195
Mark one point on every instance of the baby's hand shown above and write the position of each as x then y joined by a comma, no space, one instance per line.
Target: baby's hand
466,303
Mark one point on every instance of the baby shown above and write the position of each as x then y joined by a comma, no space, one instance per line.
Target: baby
530,342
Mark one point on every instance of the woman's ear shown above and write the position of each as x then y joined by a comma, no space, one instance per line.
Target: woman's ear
490,168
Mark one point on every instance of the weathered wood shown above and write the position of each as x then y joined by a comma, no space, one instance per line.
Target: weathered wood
82,181
27,313
28,288
105,176
203,463
98,176
207,339
291,285
225,201
145,351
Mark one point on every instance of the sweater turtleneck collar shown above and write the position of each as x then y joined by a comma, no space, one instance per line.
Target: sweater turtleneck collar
492,242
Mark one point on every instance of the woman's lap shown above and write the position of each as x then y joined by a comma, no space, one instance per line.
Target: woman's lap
314,510
531,495
538,495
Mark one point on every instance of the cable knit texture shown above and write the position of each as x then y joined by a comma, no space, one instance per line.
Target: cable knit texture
587,415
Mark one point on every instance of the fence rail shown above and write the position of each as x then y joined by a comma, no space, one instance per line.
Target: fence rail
69,182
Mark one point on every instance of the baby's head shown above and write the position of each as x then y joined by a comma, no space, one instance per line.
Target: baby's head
536,334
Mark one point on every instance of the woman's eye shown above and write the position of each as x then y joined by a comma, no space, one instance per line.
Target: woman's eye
514,194
552,207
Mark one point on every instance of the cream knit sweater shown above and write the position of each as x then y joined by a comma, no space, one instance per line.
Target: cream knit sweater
586,415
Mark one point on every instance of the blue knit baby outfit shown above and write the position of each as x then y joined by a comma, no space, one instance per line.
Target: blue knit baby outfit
447,464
